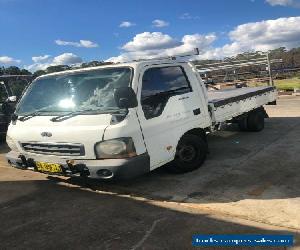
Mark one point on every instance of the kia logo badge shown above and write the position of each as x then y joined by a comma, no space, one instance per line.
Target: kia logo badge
46,134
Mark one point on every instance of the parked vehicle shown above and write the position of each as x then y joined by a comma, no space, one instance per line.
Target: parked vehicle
7,105
11,88
127,119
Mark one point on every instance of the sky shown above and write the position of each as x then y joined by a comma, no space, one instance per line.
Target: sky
35,34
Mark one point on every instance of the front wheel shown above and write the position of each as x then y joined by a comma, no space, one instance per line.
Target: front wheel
190,154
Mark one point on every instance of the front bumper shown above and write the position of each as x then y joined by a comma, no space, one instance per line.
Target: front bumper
97,169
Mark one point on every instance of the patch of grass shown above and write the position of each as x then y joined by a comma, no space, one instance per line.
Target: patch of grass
287,84
257,84
284,84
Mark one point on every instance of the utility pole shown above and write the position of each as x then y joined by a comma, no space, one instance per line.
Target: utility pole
271,82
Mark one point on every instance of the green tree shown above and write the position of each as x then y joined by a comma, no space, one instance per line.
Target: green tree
94,64
25,72
57,68
12,70
39,73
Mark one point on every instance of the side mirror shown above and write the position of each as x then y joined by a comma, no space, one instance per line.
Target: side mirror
8,106
12,98
125,97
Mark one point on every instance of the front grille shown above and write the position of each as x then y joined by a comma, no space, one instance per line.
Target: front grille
65,149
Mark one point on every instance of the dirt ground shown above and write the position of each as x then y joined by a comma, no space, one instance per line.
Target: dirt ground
250,184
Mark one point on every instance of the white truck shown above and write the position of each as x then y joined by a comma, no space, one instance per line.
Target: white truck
124,120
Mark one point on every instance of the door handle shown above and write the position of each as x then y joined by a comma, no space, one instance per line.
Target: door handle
197,111
182,98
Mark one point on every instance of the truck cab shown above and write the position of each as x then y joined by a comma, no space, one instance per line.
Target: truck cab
115,121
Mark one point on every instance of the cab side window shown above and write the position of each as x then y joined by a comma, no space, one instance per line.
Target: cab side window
159,84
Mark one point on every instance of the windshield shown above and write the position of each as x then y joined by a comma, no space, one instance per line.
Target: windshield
89,90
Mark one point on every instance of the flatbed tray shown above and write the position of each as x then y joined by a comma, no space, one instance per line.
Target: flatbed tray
222,97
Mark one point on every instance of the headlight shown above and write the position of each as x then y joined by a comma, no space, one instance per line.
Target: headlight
11,144
115,148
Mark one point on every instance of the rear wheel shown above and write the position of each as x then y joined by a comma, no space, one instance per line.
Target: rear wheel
243,124
256,121
190,154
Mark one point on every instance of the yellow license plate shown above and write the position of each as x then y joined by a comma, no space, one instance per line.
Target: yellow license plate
48,167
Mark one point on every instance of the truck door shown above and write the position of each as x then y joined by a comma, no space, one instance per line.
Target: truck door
167,106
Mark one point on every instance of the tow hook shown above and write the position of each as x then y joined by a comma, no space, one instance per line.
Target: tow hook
77,168
26,163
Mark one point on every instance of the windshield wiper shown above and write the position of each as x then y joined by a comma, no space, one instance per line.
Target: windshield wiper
35,113
80,112
27,117
63,117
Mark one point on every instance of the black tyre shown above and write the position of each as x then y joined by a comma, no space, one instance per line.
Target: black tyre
256,121
243,124
191,152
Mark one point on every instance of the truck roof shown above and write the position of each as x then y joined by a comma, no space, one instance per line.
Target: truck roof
132,64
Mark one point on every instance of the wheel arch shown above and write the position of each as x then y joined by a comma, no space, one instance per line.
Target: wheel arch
195,136
196,131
